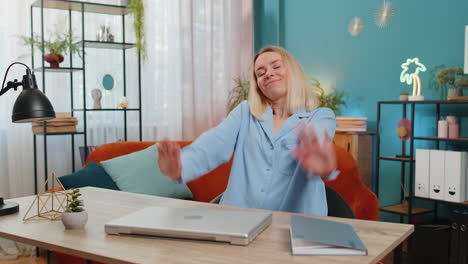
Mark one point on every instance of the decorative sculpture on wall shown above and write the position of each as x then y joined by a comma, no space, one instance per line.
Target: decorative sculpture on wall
413,78
108,82
384,14
355,26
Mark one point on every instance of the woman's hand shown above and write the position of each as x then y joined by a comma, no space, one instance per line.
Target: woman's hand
315,158
169,159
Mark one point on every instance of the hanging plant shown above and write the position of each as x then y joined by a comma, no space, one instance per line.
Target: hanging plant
137,10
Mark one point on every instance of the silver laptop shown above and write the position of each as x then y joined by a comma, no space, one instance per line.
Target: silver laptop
235,227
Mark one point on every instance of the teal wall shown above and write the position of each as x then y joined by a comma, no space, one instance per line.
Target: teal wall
367,67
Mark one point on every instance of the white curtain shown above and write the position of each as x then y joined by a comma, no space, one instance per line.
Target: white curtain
195,48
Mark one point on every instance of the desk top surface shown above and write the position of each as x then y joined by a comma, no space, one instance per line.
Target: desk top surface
271,246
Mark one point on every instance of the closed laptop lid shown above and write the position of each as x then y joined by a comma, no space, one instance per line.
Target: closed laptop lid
236,227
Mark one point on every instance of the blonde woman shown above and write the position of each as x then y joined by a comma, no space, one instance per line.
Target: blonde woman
280,139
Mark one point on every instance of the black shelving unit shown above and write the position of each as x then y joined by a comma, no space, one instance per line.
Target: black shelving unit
404,158
82,7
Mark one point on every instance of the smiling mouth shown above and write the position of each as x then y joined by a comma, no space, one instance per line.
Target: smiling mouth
269,83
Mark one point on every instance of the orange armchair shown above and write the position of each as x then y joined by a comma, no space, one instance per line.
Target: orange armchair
349,185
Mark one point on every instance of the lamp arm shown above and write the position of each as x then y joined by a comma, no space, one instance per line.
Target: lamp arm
14,84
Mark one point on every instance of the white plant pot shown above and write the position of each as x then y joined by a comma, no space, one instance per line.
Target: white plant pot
74,220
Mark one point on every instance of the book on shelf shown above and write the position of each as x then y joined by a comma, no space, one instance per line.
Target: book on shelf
56,124
345,123
314,236
60,129
63,114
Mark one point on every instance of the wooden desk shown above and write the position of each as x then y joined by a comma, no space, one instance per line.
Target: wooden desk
271,246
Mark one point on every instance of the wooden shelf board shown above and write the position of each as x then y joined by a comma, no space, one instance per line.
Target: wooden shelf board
403,210
105,45
57,69
107,109
395,158
442,139
430,199
60,133
88,7
458,98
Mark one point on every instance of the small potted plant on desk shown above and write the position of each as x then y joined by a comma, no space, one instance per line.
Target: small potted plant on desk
74,217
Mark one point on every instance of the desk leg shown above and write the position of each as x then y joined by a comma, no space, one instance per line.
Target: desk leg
398,254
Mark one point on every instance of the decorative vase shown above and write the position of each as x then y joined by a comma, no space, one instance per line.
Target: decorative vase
53,58
452,92
74,220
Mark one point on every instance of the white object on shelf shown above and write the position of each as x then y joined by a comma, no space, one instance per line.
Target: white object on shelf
436,175
422,173
442,129
455,174
415,98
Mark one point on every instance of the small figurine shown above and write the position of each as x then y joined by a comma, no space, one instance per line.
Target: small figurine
123,103
97,95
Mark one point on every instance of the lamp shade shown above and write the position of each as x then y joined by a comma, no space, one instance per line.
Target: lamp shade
31,106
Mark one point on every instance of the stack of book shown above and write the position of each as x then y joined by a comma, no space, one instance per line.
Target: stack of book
345,123
62,123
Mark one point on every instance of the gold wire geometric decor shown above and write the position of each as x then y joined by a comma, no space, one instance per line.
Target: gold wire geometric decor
49,205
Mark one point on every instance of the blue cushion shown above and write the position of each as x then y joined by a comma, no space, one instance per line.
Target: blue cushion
138,172
91,175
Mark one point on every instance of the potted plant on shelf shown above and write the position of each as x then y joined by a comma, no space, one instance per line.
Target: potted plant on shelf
137,9
61,45
332,100
404,96
453,77
74,217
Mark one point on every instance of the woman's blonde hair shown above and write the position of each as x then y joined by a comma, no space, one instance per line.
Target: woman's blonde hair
300,94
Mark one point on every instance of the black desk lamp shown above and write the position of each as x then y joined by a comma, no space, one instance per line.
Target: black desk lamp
30,106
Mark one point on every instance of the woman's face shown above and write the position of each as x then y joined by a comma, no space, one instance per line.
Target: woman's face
272,76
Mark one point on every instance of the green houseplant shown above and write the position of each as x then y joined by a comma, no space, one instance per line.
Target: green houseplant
453,77
137,10
74,217
59,46
332,100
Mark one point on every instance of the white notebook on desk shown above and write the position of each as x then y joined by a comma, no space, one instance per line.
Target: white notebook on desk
232,226
313,236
